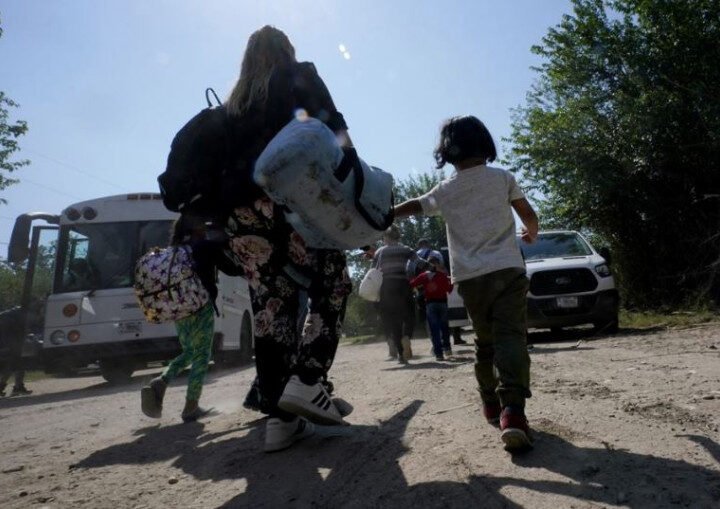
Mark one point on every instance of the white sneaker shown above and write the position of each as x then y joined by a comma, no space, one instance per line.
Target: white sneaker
280,435
310,401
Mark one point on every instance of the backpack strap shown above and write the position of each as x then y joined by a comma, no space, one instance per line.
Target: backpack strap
387,221
351,162
209,91
170,267
346,164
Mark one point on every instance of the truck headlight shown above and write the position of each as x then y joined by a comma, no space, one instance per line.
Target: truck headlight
603,270
57,337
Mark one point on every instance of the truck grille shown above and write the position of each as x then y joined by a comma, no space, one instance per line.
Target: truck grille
558,282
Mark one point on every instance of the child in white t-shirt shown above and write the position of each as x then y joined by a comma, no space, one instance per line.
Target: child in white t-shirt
486,265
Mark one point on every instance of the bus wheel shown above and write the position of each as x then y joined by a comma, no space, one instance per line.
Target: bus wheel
246,339
117,371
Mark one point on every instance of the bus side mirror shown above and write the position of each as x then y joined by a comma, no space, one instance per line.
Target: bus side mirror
605,253
19,247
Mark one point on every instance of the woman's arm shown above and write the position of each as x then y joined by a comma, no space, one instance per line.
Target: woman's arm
408,208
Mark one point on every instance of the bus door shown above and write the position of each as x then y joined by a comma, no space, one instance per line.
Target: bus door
39,275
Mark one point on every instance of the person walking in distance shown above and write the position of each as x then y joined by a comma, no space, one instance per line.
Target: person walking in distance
395,292
436,286
486,265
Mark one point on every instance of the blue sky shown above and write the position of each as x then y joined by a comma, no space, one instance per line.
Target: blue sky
104,85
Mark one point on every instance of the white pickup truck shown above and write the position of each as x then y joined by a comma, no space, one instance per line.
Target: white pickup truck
570,283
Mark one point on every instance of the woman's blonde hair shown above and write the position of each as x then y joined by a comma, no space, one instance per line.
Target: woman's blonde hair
267,49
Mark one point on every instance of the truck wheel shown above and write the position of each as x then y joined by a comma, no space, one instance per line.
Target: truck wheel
117,371
246,339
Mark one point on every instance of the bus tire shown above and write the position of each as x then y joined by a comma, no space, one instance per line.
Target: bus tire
246,339
117,371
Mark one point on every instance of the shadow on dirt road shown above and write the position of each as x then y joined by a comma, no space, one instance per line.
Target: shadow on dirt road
593,474
359,466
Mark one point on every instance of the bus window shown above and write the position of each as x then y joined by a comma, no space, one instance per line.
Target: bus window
103,255
154,234
97,256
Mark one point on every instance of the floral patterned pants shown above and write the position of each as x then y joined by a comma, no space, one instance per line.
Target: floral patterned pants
277,265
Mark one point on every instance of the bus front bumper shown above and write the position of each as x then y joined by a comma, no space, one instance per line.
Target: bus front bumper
143,350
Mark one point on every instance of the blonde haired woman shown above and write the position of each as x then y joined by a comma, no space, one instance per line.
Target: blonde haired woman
273,88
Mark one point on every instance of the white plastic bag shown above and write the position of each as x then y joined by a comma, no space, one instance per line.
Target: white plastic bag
370,285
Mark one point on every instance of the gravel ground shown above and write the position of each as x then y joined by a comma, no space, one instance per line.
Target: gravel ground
629,420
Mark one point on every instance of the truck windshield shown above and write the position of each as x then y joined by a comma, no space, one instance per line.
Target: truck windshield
102,255
555,245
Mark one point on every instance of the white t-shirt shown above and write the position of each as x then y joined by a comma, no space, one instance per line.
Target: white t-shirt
475,204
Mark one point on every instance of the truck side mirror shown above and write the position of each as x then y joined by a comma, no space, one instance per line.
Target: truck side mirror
605,253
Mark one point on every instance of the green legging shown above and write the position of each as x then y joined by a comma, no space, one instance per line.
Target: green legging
196,334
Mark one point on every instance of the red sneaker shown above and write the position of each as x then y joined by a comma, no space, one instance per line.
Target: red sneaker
491,411
515,430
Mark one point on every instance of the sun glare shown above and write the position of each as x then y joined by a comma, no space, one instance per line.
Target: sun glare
344,51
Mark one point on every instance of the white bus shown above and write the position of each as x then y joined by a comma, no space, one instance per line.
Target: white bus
91,314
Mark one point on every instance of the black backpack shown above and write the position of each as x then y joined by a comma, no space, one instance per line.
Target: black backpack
197,161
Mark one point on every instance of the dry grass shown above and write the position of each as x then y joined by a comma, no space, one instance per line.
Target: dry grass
669,319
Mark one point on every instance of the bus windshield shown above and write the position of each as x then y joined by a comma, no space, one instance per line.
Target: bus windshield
95,256
555,245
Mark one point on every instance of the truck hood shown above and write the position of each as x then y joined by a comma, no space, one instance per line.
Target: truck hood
569,262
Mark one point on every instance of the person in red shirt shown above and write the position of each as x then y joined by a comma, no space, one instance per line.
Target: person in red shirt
436,287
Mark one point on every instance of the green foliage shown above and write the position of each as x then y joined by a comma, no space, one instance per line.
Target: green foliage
361,317
11,286
12,279
621,135
9,134
415,228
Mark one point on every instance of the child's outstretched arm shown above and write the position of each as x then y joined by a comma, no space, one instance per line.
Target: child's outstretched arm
408,208
527,215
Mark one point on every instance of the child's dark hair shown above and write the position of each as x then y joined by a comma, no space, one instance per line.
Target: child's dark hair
464,138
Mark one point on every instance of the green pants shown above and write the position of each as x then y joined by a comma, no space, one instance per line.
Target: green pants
196,336
497,305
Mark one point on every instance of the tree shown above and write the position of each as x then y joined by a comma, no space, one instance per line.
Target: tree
11,285
12,278
413,229
620,134
9,134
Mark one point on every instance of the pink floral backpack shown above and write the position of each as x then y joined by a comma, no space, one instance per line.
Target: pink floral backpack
167,286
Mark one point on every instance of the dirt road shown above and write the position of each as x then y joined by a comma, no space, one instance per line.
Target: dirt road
625,421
